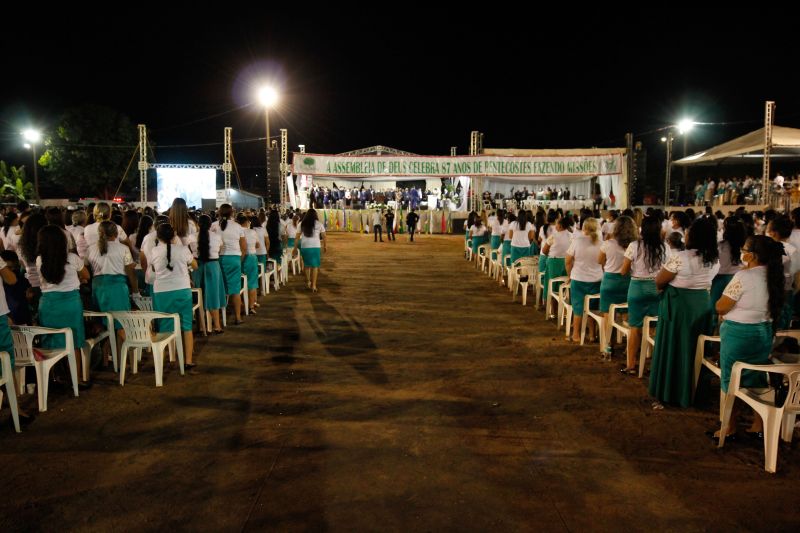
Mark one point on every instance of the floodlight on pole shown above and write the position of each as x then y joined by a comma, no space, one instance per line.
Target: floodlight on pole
268,97
33,137
685,126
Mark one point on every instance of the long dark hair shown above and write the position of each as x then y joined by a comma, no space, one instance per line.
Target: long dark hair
52,247
308,223
734,233
651,243
225,213
165,234
522,219
274,231
179,217
55,217
145,224
30,236
105,231
203,250
769,252
625,231
703,240
10,217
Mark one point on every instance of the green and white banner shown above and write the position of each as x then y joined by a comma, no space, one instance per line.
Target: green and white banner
575,166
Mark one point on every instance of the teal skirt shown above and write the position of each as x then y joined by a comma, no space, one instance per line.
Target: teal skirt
231,266
507,252
110,293
477,241
250,269
578,290
178,301
534,249
717,288
495,244
613,290
556,267
6,341
518,252
542,263
208,277
262,260
749,343
62,310
312,257
642,301
290,242
683,315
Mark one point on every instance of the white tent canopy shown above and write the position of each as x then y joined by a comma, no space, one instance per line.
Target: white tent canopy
748,148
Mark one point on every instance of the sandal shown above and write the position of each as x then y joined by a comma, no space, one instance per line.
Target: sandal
218,331
629,371
253,311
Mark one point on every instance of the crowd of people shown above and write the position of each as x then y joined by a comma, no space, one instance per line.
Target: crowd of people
363,197
697,272
56,263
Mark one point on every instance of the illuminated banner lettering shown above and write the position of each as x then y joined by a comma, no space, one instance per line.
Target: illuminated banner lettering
477,166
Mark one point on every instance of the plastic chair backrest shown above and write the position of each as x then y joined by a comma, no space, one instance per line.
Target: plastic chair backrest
23,345
137,324
793,399
144,303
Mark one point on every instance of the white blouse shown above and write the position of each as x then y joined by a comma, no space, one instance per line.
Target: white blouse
726,266
520,238
475,231
251,237
615,255
504,230
690,271
165,279
543,237
497,228
559,244
230,238
639,263
748,289
113,262
585,267
70,282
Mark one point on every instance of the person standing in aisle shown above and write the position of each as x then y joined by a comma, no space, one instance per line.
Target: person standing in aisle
389,225
310,239
411,221
376,225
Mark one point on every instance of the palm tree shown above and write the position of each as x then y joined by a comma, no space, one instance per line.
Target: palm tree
13,184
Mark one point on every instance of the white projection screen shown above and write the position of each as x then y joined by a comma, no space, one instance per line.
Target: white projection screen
191,184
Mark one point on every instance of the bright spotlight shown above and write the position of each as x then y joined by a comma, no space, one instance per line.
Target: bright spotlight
268,96
32,136
685,125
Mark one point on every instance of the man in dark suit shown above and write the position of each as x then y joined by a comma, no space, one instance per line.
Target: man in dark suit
411,221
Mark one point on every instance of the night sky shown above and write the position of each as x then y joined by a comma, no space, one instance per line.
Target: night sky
411,79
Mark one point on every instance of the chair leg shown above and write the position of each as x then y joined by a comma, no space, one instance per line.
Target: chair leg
73,370
12,402
42,382
112,340
123,363
86,356
524,286
583,326
20,383
772,430
158,363
788,427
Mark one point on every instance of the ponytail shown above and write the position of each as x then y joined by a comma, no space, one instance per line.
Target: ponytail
770,253
105,231
225,213
165,233
203,240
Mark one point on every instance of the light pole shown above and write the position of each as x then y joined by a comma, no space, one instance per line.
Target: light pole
668,139
268,97
33,137
684,127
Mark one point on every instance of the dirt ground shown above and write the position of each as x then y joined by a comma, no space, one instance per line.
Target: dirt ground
409,394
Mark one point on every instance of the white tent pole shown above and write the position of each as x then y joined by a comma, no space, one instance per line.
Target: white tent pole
769,115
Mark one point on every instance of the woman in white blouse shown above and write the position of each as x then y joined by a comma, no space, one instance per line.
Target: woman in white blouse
234,247
750,305
556,250
643,260
683,314
61,275
733,237
521,231
614,288
478,234
584,272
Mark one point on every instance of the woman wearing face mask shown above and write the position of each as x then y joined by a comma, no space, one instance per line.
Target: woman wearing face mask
751,304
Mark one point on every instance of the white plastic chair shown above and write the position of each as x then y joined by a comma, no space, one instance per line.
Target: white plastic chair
565,312
552,294
294,260
7,381
483,255
138,335
143,303
23,350
90,343
623,328
468,249
273,275
284,271
523,268
778,420
539,287
243,295
593,314
648,342
700,361
262,278
199,311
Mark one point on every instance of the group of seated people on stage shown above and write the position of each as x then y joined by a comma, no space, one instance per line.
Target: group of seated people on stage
696,272
361,197
56,263
520,195
731,191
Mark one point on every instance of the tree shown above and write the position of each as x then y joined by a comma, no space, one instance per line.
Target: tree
13,184
89,150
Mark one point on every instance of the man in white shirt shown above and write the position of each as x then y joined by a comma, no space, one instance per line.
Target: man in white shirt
376,225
